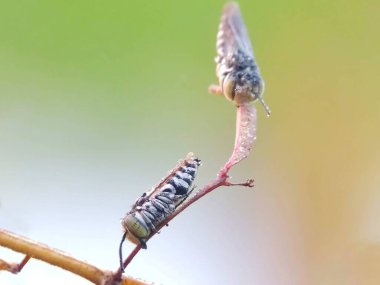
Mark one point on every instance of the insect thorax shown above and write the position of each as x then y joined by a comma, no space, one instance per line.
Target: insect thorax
239,77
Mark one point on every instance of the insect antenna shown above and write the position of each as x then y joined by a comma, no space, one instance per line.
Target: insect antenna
121,251
265,106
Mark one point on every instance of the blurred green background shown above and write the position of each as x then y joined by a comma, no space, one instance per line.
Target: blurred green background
99,99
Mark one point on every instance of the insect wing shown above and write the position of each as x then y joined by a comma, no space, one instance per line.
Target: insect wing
189,158
233,35
156,189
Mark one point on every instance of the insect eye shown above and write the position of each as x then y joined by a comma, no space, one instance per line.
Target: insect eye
228,88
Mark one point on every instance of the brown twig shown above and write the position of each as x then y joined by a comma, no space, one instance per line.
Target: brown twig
58,258
14,267
119,271
245,135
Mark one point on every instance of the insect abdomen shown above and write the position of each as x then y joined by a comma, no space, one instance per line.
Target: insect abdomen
142,220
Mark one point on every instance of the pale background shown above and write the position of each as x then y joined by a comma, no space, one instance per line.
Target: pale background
98,100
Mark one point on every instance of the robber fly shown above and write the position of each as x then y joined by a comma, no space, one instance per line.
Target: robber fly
237,70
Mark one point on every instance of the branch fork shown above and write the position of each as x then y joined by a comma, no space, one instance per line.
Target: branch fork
245,136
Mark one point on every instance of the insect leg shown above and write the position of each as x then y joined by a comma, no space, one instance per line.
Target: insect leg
215,89
143,243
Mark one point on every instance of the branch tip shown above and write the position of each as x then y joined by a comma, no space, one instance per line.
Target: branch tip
249,183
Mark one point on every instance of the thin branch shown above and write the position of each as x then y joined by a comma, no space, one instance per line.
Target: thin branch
217,182
119,271
14,267
246,120
245,136
23,262
58,258
248,183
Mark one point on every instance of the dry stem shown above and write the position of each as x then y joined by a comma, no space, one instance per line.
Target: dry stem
58,258
245,136
13,267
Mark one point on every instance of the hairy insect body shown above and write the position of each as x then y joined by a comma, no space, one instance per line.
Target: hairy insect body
239,76
152,208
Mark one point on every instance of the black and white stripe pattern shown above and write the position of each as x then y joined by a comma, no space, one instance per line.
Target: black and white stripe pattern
153,207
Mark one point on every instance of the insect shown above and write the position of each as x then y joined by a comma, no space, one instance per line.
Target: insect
239,76
154,206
